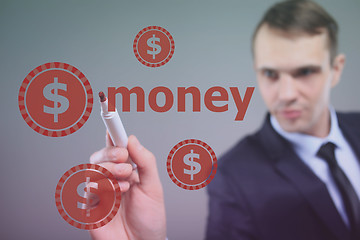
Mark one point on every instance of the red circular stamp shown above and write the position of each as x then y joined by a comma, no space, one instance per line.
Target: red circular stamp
55,99
154,46
87,196
191,164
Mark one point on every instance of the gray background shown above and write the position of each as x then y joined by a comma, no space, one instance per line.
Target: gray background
212,48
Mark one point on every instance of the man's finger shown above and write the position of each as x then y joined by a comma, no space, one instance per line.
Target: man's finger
120,171
124,186
110,154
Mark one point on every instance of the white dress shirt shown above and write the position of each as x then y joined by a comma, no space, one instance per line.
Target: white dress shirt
307,146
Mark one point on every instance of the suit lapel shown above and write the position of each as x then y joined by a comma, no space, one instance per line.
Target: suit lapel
292,168
315,193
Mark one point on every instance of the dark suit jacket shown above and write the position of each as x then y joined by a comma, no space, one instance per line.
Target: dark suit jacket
263,191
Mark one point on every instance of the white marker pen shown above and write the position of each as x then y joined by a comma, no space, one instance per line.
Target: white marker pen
114,125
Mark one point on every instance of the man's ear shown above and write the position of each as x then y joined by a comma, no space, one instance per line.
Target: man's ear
337,68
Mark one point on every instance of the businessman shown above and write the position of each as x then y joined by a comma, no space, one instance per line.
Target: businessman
298,177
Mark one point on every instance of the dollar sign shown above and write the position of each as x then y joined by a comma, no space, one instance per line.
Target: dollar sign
195,167
80,190
156,49
64,102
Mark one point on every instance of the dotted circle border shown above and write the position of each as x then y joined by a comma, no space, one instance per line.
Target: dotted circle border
89,226
61,66
171,154
172,46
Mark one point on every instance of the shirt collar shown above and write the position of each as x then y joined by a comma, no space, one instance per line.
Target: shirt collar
310,144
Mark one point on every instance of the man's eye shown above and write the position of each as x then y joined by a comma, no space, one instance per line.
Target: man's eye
270,74
305,72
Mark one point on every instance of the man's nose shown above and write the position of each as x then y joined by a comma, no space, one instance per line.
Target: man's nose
287,89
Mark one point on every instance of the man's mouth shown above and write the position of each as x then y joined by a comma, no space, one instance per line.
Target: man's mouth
290,114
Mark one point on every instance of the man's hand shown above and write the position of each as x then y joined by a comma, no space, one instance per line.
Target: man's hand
142,211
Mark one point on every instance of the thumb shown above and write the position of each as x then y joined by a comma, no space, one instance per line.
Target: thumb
146,165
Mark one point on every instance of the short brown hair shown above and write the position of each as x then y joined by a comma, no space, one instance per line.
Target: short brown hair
301,16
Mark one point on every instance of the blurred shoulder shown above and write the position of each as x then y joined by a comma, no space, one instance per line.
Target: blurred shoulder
248,152
350,117
349,121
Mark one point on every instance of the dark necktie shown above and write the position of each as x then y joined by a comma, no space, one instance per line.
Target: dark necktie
348,194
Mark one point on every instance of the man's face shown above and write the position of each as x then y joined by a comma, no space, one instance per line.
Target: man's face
295,77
